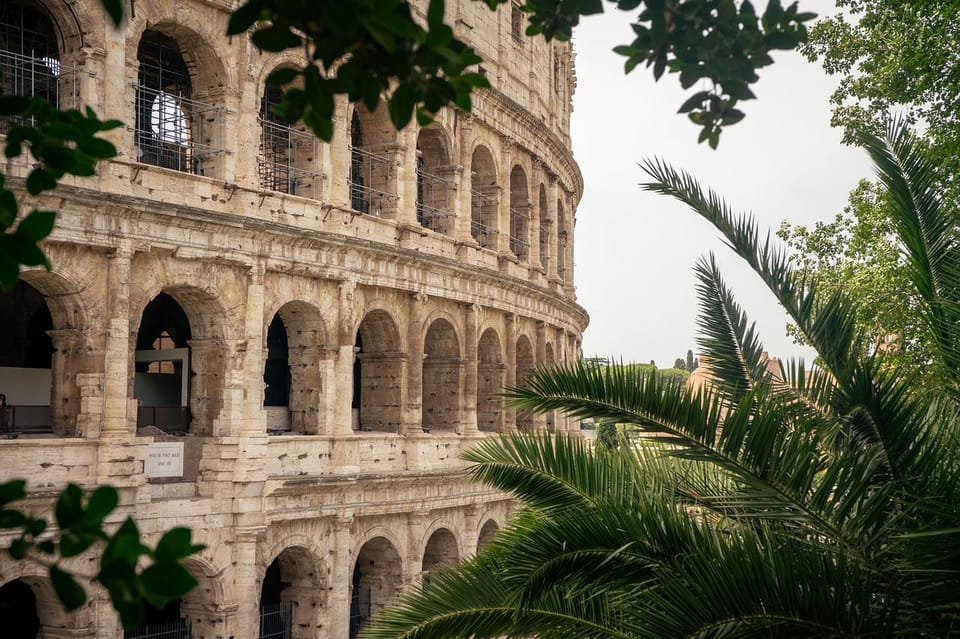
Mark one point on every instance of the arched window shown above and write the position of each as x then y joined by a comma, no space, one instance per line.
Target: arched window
525,368
26,361
433,190
440,552
441,378
170,124
377,577
483,198
371,164
30,62
377,374
545,225
519,214
490,378
162,373
561,241
287,154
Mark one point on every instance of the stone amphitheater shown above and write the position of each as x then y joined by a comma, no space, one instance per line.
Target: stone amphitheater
283,344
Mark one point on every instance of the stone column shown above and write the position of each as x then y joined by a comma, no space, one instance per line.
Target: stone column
337,164
510,349
117,356
453,179
66,364
503,218
206,386
342,390
462,139
412,413
395,205
468,416
341,578
533,229
254,419
240,621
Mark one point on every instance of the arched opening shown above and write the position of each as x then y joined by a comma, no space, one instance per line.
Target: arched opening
439,553
292,377
483,198
487,533
525,368
18,609
442,369
377,577
161,382
291,595
286,157
433,189
545,225
561,241
552,415
371,164
26,362
378,372
30,59
519,214
174,130
490,373
168,622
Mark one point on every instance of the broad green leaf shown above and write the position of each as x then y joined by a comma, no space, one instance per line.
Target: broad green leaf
70,593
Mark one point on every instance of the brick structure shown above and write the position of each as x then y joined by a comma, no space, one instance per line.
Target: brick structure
282,344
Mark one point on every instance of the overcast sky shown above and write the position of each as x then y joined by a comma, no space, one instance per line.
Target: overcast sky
635,251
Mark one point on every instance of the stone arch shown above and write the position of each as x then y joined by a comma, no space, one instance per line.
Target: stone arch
434,184
440,551
372,160
292,592
377,577
287,155
43,349
41,42
526,364
442,372
490,381
519,213
31,588
484,197
191,360
378,373
292,377
545,226
489,529
178,112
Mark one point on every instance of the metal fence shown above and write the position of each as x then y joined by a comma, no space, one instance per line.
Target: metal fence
482,207
42,77
433,202
175,629
518,230
25,420
484,235
369,176
175,132
276,621
286,158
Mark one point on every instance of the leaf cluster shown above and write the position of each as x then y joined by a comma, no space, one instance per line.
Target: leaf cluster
81,524
60,143
717,43
799,502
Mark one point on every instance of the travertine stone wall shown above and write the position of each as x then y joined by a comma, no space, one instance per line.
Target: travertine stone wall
414,274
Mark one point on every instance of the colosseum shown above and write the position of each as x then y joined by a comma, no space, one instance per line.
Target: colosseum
282,344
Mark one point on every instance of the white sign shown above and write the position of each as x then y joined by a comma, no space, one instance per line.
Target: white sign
165,459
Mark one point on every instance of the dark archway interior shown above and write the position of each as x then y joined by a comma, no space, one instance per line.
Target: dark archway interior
163,319
30,64
18,610
163,129
24,322
276,371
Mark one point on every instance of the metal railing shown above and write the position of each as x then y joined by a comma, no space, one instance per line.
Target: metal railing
175,132
25,420
432,201
484,235
42,77
276,621
518,230
285,159
368,171
175,629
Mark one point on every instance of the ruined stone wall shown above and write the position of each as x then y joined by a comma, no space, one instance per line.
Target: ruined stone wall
402,316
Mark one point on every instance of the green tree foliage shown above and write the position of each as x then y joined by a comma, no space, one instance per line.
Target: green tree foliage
691,363
607,436
679,364
129,571
858,254
822,504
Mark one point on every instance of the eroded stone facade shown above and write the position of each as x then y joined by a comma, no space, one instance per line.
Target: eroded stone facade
317,331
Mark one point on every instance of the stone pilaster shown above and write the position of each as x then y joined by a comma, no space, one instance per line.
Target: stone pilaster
468,415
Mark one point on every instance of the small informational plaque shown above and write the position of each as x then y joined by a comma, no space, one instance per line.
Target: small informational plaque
165,459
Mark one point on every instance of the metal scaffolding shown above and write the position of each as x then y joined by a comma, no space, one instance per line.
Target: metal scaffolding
519,246
432,198
285,159
482,206
366,170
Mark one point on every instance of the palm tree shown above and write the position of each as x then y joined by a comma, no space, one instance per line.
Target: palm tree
820,502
